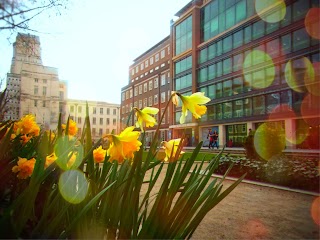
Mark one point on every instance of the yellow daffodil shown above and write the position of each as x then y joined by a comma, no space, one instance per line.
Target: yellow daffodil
170,149
73,129
144,116
27,125
191,103
99,154
24,168
50,159
25,138
124,145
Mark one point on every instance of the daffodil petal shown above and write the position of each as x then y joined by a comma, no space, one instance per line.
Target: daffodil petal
150,110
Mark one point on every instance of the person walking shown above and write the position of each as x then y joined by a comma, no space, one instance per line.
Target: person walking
210,136
215,139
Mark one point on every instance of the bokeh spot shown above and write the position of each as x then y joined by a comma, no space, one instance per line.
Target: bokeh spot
313,82
271,11
294,135
263,77
73,186
297,72
312,22
315,210
269,140
310,110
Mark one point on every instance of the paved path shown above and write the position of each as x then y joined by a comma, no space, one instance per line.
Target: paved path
260,212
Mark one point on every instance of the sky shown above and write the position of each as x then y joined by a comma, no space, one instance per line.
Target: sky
94,42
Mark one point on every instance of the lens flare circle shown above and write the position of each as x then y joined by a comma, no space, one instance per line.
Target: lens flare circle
269,140
293,135
310,110
73,186
312,22
262,77
315,211
313,82
271,11
299,73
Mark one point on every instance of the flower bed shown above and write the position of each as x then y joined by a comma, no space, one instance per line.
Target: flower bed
298,172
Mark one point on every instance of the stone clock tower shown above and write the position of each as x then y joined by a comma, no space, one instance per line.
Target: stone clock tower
32,87
26,49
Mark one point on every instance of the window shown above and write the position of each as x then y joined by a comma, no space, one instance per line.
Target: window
100,131
79,109
36,80
127,94
36,89
72,109
137,69
94,121
79,120
155,99
94,110
145,102
36,103
156,57
163,53
140,89
141,66
183,36
156,83
108,111
130,93
108,121
151,60
44,91
163,79
93,131
114,121
258,29
150,101
123,96
163,97
44,80
150,85
258,105
61,95
132,71
101,121
286,44
300,39
114,111
136,91
140,104
238,39
145,87
101,110
146,63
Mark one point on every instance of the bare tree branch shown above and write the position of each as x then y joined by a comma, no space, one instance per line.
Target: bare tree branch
17,14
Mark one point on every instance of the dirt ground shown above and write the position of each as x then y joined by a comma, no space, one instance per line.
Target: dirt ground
256,212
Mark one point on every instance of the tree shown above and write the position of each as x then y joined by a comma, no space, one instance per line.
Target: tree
16,15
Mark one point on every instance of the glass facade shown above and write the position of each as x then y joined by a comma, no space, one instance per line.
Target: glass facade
183,36
220,15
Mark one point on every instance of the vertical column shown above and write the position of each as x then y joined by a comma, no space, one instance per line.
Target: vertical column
222,135
290,133
250,125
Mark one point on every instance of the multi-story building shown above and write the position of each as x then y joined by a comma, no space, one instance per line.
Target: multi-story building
32,87
258,63
104,117
149,85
